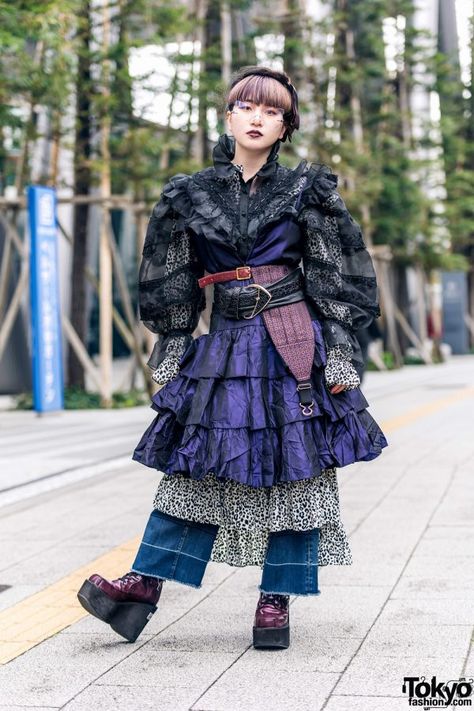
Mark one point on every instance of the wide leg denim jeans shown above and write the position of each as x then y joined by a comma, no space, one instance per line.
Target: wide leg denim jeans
177,549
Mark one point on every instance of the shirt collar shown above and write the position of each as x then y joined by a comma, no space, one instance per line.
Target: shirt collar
224,151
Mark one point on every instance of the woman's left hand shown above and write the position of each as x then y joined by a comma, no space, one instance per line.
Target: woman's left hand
339,372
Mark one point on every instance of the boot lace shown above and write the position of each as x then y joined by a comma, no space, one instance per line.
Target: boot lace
280,601
136,577
130,576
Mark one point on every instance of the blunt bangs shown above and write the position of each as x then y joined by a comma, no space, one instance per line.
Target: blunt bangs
261,90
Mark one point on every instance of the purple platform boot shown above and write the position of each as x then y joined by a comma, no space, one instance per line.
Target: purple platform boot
126,604
272,622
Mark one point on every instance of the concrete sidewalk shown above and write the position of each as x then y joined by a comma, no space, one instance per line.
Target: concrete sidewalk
405,608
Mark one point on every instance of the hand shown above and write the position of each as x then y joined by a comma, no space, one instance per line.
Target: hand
166,371
339,372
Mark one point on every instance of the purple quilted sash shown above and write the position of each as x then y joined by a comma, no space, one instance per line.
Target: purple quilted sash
291,331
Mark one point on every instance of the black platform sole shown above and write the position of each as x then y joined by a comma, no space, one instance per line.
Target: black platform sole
271,637
126,618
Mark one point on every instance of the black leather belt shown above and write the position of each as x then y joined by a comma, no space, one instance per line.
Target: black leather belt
247,301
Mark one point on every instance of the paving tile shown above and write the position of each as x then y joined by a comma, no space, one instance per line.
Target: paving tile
425,577
453,514
16,594
168,669
340,611
469,668
146,698
47,567
51,673
237,691
110,532
383,570
389,640
447,541
310,651
337,702
428,612
213,626
13,552
28,708
372,675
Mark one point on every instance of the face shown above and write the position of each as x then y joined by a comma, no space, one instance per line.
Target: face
266,123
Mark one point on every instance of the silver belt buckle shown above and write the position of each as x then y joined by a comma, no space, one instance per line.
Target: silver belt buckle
255,312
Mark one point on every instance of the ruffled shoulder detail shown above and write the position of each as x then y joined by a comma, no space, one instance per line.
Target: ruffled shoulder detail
175,198
320,193
170,213
320,186
213,208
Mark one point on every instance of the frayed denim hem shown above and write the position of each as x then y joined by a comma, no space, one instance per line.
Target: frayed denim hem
162,577
281,592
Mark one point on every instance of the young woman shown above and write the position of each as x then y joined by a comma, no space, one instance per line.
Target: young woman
253,418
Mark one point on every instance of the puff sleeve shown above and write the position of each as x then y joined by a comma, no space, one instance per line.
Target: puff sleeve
169,297
340,280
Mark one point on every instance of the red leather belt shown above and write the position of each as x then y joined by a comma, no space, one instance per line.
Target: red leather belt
238,273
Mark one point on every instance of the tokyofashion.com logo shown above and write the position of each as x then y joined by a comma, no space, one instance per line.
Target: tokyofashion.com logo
434,693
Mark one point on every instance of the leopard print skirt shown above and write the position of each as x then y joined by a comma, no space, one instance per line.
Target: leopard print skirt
246,515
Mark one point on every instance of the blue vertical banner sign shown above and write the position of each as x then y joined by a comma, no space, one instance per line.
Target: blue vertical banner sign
48,388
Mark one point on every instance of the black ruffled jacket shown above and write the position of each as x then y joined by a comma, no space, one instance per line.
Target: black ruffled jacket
197,226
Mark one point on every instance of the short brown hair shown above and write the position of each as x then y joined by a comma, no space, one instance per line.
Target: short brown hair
263,85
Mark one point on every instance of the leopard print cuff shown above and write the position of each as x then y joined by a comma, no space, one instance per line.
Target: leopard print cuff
339,369
166,371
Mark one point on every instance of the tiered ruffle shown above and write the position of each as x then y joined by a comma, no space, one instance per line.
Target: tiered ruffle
234,411
246,515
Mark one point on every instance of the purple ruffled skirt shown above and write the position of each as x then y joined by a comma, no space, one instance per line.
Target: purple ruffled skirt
233,410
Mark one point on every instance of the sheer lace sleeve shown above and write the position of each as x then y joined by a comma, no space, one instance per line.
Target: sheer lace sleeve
170,299
340,279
